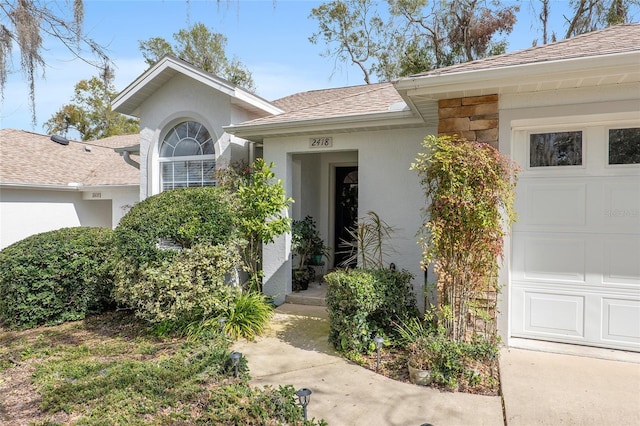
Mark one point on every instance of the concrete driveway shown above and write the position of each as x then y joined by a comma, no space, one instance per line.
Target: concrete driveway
541,388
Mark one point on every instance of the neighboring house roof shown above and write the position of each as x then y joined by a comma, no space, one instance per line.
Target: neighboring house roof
613,40
33,160
129,100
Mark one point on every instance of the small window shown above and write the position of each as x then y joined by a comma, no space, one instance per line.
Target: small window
555,149
624,146
187,157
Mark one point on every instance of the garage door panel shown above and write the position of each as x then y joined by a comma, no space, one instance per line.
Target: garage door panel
552,258
575,249
621,205
554,314
621,258
621,320
553,204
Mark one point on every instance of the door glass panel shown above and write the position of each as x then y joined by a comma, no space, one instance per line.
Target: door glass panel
624,146
555,149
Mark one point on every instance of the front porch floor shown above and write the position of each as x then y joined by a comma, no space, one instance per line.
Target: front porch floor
314,295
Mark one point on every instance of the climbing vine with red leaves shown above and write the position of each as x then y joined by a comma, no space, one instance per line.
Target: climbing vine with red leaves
470,188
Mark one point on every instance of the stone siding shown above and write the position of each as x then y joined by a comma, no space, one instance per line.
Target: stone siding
473,118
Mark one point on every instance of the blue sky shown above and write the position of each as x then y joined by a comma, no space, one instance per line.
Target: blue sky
271,38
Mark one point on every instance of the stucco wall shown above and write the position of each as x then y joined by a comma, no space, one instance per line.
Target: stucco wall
179,100
386,186
121,200
26,212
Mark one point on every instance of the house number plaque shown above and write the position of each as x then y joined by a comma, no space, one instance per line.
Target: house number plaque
324,142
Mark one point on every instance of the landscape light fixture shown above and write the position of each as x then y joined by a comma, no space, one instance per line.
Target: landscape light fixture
221,322
235,361
304,396
379,341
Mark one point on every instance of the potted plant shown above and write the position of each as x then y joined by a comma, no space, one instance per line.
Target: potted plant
309,249
421,361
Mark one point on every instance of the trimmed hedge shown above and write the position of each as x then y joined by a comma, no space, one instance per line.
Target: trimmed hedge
187,217
56,276
180,284
192,285
363,303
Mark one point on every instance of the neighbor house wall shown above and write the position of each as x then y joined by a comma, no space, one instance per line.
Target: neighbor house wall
386,186
122,199
26,212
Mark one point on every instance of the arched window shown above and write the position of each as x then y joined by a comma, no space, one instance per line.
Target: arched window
187,157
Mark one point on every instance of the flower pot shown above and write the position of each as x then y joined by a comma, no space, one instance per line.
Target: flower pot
419,377
300,279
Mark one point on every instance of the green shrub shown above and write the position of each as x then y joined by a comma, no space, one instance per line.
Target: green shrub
186,216
192,285
177,285
363,303
454,365
56,276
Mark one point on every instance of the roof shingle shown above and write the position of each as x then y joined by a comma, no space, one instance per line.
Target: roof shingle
338,102
616,39
28,158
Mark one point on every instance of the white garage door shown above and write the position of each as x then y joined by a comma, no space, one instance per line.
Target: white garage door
575,266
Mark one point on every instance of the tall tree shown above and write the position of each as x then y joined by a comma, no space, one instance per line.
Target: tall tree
590,15
90,112
24,23
204,49
353,32
414,35
582,16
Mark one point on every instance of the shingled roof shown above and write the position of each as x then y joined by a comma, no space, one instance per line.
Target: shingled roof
31,159
338,102
613,40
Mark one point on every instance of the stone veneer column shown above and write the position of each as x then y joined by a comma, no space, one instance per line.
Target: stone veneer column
473,118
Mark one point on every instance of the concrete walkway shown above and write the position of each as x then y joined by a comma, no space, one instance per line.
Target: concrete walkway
296,352
539,388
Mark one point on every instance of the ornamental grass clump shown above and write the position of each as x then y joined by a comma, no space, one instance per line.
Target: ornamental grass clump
471,188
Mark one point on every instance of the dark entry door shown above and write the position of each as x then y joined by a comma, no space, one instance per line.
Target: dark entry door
346,209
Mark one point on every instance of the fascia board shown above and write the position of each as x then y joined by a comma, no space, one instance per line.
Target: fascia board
38,186
376,120
55,187
256,101
518,74
89,188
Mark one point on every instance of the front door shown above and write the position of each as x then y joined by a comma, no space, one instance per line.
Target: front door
346,211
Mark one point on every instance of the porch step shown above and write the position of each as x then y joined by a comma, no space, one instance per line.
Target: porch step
314,295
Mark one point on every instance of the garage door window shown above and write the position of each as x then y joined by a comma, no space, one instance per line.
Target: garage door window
555,149
624,146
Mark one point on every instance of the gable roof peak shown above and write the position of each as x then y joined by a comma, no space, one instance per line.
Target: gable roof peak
128,101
